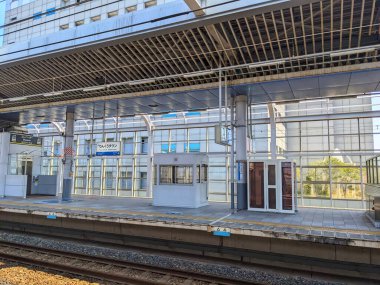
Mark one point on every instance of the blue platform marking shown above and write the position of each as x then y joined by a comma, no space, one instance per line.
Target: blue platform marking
221,234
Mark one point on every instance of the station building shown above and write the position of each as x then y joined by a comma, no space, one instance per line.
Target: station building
328,127
317,147
246,130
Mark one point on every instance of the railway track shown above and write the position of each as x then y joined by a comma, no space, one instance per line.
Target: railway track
106,269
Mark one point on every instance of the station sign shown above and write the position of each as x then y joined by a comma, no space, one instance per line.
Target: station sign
223,135
25,139
220,231
25,157
108,149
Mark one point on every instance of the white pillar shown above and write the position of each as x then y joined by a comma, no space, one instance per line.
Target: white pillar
4,153
232,154
273,133
68,156
150,164
241,151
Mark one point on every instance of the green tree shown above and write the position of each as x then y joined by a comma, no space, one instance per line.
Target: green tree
342,173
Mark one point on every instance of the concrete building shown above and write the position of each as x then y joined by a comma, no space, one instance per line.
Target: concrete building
44,17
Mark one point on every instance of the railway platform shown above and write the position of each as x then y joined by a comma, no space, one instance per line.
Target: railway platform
334,226
326,241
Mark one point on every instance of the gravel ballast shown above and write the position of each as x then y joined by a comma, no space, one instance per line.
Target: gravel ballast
221,269
12,273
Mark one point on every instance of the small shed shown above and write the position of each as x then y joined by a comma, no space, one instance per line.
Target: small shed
180,180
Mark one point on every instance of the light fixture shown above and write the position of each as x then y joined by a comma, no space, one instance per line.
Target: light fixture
116,84
268,63
353,96
351,51
93,88
369,95
314,101
142,81
14,99
52,94
197,74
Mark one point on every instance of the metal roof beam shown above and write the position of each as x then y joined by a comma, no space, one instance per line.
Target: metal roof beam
196,7
322,117
135,94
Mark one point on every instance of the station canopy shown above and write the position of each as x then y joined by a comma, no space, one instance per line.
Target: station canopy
278,52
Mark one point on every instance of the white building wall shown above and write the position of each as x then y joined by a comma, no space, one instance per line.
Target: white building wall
4,152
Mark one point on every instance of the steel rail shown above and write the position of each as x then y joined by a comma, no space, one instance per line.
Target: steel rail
284,263
83,270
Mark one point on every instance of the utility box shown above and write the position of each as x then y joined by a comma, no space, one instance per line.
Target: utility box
223,135
180,180
45,185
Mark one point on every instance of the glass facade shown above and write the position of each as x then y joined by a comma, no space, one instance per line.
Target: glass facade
330,151
33,18
2,18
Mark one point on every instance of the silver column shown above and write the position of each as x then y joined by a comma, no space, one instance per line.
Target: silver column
68,156
241,151
232,154
273,129
150,164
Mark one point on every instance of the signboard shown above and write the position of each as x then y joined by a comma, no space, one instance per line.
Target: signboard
25,139
223,135
221,231
25,157
241,172
108,149
51,216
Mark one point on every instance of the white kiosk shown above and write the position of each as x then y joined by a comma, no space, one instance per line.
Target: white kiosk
20,166
271,186
180,180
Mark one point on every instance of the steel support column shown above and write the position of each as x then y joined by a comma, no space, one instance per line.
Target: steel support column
273,133
68,156
241,151
150,162
232,154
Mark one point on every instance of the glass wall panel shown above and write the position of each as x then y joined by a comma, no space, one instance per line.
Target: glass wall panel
140,176
184,175
316,177
125,186
217,176
166,174
287,194
212,146
329,154
256,182
271,174
109,176
81,180
127,145
95,176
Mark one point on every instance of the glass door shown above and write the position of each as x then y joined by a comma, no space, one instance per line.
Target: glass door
287,190
271,186
262,186
256,185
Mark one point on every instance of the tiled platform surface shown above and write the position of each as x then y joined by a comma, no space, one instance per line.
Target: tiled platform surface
347,227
